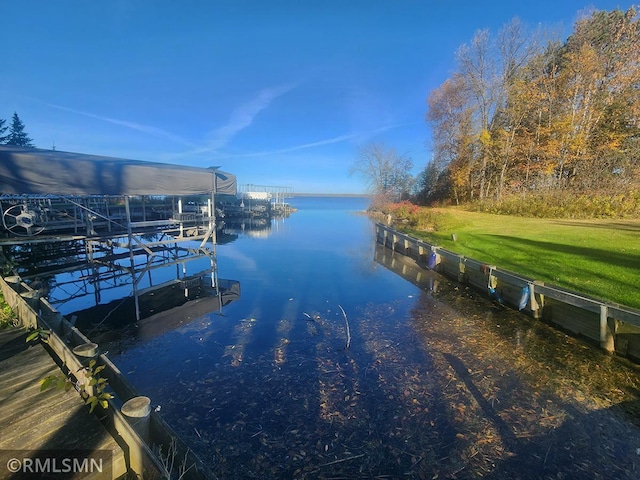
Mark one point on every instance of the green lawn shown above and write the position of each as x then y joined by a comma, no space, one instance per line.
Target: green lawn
600,258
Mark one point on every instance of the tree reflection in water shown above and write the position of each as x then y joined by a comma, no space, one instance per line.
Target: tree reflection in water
447,385
526,400
439,382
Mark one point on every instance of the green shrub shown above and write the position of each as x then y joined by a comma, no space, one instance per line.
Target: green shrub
7,317
421,219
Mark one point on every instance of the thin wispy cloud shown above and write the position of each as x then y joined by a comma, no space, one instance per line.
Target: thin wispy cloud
295,148
156,132
340,138
241,118
244,115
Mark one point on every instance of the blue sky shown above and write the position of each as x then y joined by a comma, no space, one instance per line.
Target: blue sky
279,93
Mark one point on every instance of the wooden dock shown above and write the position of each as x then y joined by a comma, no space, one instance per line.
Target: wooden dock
151,447
52,420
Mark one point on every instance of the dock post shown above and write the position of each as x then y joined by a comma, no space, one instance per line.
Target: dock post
180,217
32,297
533,303
462,269
137,410
606,333
14,282
86,350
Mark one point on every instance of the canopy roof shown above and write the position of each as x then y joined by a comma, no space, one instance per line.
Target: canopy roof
51,172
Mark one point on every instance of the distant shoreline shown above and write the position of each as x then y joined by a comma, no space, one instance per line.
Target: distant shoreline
330,195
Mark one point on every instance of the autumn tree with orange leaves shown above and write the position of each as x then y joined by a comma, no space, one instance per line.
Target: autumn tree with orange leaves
527,113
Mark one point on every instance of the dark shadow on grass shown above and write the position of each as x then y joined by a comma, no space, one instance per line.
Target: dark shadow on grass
629,226
546,261
609,257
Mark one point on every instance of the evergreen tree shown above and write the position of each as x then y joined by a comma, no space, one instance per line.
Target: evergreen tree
17,135
426,184
3,128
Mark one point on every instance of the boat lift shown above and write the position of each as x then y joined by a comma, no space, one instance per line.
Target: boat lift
49,196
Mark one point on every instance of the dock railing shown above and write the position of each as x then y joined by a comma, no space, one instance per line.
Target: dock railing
147,441
615,328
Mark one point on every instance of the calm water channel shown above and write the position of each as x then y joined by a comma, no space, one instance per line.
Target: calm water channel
438,382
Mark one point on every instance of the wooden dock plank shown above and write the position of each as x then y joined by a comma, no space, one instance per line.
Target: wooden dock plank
48,420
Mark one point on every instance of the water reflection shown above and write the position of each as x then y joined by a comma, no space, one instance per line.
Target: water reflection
407,268
253,227
109,291
524,399
439,382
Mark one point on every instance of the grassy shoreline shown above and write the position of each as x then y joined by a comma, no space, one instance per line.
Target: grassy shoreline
599,258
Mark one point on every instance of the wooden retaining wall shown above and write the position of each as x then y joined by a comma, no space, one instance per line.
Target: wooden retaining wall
146,441
615,328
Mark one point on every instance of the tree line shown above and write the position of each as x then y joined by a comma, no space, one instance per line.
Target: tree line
14,133
524,112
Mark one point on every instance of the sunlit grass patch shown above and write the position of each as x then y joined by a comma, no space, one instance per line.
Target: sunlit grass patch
599,258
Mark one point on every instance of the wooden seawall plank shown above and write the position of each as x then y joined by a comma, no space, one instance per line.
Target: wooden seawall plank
49,420
616,328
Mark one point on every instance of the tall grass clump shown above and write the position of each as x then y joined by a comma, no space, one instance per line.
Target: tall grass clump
421,219
565,204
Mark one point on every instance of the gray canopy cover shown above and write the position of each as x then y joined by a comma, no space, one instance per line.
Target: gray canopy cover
51,172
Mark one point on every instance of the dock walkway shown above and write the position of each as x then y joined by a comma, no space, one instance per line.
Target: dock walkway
49,420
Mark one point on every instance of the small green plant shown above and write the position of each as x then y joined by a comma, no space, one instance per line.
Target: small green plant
92,390
99,384
60,381
8,318
40,334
